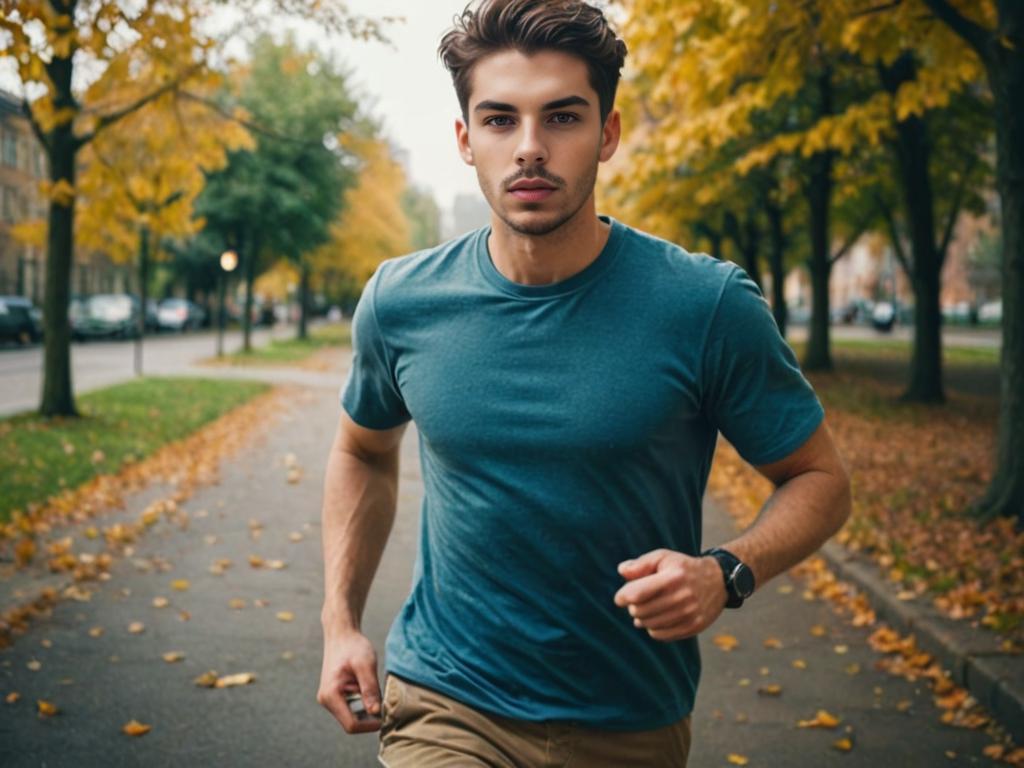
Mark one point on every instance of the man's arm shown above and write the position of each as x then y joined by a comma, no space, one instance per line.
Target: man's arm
673,595
360,496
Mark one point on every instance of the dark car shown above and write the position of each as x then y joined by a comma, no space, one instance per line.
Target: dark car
19,320
107,315
180,315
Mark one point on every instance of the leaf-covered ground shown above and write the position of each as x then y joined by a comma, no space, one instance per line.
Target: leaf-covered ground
122,424
914,470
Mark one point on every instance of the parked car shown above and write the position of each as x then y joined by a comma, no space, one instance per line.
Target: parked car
883,316
107,315
152,316
180,315
991,312
19,320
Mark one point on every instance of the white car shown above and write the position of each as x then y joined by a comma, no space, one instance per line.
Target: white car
179,315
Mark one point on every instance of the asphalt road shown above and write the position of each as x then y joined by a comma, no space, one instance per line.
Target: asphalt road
97,364
100,683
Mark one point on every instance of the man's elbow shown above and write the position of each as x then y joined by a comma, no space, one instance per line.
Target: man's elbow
843,498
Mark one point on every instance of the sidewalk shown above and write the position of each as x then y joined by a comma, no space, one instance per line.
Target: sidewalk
100,683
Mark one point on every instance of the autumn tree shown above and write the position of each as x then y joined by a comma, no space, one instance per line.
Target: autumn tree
995,33
58,44
280,198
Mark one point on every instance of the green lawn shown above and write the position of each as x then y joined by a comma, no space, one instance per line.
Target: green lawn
39,458
285,351
900,350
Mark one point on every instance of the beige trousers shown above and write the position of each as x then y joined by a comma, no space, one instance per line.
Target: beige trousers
421,728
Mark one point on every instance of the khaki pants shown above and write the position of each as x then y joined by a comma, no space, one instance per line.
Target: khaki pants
421,728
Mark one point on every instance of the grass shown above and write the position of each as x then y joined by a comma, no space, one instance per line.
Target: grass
893,349
288,351
39,457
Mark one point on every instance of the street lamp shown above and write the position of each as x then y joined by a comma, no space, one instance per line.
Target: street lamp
228,261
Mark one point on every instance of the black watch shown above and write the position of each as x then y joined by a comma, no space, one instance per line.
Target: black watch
739,579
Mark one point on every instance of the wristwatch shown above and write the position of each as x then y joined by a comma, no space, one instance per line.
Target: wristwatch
739,579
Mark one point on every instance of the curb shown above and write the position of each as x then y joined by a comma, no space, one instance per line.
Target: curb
993,677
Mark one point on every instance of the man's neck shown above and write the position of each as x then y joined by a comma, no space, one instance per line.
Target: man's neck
550,258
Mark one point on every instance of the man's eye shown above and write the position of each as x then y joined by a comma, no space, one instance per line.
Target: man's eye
564,118
495,121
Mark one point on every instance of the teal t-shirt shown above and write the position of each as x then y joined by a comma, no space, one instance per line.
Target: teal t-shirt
563,429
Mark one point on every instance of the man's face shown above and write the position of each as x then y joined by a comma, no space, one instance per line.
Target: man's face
535,137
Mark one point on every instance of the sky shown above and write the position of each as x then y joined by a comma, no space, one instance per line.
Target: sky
412,91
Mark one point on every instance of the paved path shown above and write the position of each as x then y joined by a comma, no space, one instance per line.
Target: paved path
100,683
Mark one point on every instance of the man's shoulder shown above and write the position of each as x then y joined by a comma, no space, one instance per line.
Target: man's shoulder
426,265
668,261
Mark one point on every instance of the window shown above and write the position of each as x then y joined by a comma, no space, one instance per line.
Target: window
10,148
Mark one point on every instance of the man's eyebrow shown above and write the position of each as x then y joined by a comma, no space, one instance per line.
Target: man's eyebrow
500,106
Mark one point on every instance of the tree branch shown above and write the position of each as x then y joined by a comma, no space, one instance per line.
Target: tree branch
894,236
109,119
848,244
249,124
973,34
954,210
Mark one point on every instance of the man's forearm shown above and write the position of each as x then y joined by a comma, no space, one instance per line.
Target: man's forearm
360,496
800,516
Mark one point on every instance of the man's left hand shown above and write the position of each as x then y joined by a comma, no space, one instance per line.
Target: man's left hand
670,594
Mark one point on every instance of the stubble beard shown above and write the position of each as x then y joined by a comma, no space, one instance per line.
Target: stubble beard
582,191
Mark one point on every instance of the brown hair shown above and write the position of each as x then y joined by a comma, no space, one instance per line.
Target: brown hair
569,26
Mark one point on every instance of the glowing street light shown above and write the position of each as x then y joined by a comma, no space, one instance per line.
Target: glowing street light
228,261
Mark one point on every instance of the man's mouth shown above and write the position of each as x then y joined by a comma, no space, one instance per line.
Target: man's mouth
531,190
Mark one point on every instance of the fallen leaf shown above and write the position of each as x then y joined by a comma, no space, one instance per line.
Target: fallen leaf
294,475
295,536
181,585
172,656
822,720
276,565
725,642
35,665
46,708
255,561
799,664
735,759
237,603
841,649
135,728
160,602
772,642
12,697
853,669
770,690
818,630
285,615
240,678
843,745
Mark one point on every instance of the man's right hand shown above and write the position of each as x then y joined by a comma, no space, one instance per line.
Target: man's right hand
350,666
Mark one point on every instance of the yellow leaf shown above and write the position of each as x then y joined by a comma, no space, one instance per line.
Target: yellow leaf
181,585
135,728
772,642
735,759
770,690
206,680
160,602
285,615
843,745
136,627
822,720
172,656
725,642
63,194
12,697
241,678
46,708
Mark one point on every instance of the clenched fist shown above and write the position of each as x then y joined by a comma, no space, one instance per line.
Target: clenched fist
672,595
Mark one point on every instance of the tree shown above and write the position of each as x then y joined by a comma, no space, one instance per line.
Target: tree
55,43
424,217
995,32
280,198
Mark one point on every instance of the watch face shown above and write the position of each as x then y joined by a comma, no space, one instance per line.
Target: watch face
743,579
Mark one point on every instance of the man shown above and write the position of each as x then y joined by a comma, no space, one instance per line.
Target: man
568,376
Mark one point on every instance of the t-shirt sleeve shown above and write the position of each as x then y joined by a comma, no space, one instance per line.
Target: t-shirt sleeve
370,394
755,393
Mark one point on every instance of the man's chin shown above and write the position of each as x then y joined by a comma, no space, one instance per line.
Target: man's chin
535,223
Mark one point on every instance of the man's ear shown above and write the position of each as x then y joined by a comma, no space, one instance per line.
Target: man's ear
610,134
462,138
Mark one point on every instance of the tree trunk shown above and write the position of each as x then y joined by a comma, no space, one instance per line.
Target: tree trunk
58,395
303,299
912,151
1005,495
752,240
818,355
776,264
250,278
143,295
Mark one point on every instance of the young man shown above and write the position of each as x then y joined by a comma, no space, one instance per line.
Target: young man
568,376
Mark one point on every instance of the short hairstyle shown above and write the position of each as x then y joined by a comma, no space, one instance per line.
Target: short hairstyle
528,26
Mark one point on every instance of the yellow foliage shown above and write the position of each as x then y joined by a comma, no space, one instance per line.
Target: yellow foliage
372,226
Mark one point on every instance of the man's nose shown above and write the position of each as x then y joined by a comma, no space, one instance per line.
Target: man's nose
531,149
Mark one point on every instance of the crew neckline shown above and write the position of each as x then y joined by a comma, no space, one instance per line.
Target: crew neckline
561,287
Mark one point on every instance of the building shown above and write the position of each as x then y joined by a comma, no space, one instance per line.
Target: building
22,168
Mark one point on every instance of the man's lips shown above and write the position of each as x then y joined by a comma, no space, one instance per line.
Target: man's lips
531,191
